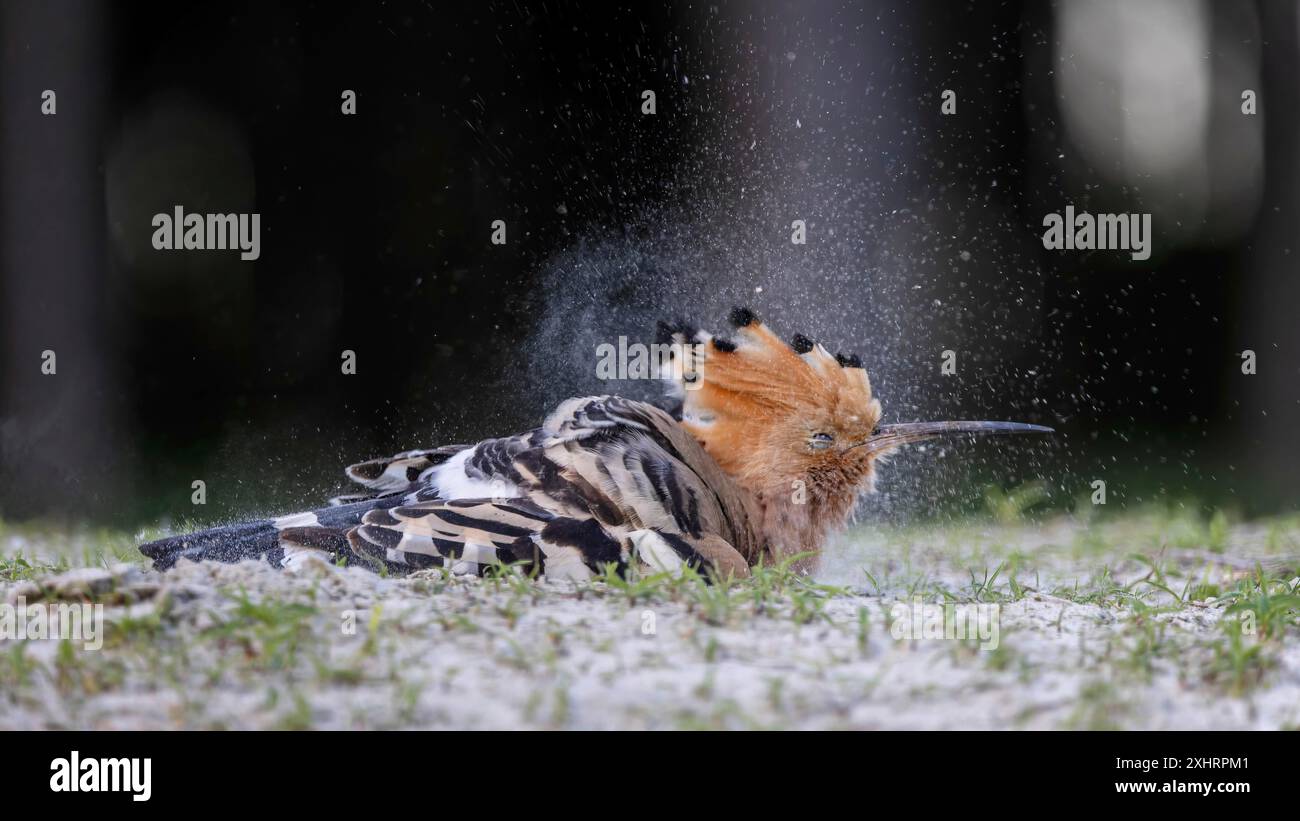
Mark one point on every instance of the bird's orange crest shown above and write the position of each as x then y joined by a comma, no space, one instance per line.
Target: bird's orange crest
793,424
773,413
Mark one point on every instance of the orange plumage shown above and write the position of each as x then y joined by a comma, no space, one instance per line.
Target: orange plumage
783,423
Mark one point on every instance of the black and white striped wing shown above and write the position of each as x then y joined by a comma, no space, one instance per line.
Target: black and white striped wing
602,478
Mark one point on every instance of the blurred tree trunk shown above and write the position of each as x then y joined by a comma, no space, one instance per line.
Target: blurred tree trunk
1270,320
54,429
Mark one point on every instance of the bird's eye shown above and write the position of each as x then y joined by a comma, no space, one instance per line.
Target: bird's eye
820,441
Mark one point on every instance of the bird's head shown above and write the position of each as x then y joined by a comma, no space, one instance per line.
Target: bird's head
792,423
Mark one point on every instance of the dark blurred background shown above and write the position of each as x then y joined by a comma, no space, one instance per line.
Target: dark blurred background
924,232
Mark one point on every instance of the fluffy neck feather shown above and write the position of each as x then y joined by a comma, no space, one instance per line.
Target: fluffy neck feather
800,521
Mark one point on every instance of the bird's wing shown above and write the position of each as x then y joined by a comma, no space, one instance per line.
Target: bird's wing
657,470
601,478
399,472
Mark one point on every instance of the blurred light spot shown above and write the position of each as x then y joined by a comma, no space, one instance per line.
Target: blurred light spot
1152,100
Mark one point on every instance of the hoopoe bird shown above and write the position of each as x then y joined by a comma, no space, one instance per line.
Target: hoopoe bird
761,454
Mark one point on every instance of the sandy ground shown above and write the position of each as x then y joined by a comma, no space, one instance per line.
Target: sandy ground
1129,624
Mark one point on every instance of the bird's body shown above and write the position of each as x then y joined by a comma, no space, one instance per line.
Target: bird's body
602,479
768,449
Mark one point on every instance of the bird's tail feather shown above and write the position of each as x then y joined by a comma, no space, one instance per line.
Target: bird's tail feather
225,544
323,531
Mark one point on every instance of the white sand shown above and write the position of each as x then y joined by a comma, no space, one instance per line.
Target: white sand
471,654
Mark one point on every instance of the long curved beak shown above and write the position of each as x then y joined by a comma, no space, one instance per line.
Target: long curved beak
906,433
